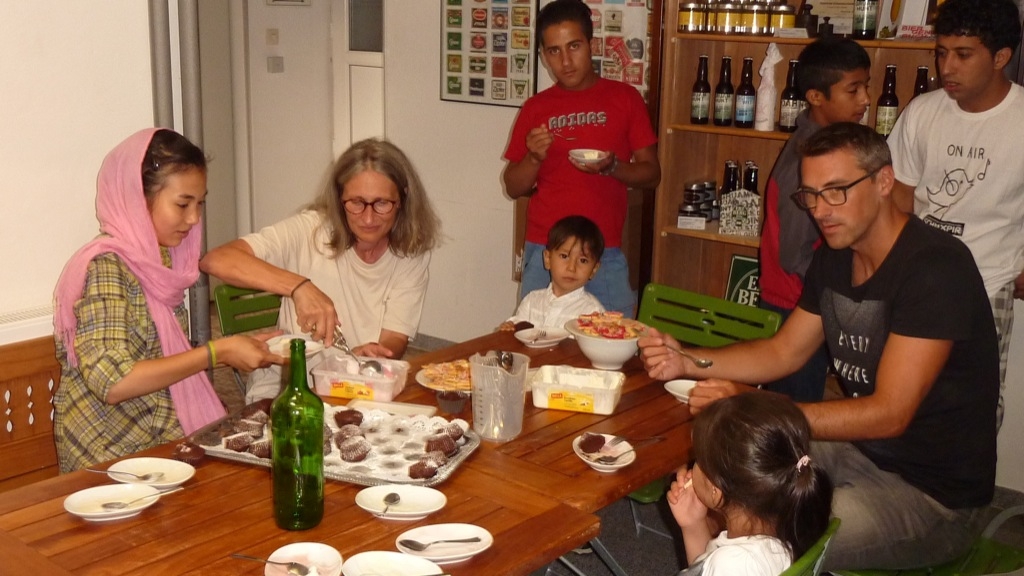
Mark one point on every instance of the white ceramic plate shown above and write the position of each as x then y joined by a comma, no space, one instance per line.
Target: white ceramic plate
175,473
680,389
587,155
378,563
326,559
422,380
447,552
614,450
416,501
281,345
551,336
397,408
88,504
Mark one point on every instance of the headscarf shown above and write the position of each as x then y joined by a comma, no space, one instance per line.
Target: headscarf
125,218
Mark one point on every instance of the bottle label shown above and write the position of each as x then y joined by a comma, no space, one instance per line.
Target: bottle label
864,15
745,108
788,111
723,106
885,117
700,104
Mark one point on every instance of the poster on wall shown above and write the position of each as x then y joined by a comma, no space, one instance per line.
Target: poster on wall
620,49
487,54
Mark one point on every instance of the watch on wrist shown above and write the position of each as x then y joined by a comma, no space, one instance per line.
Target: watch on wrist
607,171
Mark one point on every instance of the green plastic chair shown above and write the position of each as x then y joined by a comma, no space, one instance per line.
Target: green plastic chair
810,563
697,320
986,556
700,320
242,310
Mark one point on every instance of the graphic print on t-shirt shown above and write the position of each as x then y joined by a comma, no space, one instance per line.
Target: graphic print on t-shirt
957,183
577,120
856,333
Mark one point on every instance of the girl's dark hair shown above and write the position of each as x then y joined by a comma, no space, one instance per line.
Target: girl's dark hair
168,153
564,11
996,23
582,229
823,62
751,447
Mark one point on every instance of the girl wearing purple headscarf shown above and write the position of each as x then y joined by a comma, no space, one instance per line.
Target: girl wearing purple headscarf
130,378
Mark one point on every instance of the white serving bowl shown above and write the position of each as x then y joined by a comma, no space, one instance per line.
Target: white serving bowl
603,353
326,559
588,155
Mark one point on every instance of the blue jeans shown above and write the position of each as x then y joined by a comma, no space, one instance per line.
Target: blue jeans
886,522
808,383
610,285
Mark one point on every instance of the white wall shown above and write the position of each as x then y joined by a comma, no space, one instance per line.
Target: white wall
74,81
290,118
457,150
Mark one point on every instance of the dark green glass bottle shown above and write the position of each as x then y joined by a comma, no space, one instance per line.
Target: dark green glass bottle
296,429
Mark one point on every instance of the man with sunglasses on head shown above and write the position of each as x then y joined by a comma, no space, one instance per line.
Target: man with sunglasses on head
902,308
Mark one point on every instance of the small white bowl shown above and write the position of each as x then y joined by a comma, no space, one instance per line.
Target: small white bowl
617,449
281,345
680,389
174,473
326,559
588,155
603,353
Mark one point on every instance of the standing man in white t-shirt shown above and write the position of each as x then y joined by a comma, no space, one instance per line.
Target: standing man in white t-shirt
957,152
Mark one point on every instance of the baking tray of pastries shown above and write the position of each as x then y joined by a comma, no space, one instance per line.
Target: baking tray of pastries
365,447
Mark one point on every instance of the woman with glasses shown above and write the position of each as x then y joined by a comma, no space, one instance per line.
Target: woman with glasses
356,257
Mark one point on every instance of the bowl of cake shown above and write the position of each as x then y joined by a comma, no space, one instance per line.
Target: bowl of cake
606,339
587,155
603,452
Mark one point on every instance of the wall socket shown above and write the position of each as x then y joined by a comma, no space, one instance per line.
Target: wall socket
275,64
273,36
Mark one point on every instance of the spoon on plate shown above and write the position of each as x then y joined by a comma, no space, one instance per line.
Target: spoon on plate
366,367
121,505
149,477
699,362
417,546
293,568
608,459
389,499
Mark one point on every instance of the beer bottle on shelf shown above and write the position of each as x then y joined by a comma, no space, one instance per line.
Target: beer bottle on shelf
700,101
865,16
750,177
297,448
724,94
730,179
921,83
791,104
746,96
888,103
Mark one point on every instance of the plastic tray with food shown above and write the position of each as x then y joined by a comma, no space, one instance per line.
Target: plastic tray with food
577,389
338,376
366,447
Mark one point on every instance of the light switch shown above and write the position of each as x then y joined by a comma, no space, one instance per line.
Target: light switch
273,36
275,64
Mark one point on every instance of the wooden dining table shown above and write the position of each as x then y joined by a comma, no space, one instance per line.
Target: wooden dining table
533,494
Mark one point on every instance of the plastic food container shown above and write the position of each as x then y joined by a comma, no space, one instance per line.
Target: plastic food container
577,389
338,376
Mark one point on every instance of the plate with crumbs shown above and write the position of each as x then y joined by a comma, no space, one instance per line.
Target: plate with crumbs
416,502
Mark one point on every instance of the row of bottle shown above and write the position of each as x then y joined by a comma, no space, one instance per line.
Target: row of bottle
731,106
701,198
755,19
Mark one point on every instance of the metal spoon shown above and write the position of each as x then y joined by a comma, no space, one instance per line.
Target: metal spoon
389,499
417,546
699,362
505,360
290,567
366,367
152,476
560,135
119,505
608,459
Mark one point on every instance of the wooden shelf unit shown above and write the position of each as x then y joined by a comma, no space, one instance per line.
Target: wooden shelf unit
699,260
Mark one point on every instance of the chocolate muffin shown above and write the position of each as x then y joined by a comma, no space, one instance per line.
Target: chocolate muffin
189,453
260,448
591,442
348,416
354,449
422,470
442,443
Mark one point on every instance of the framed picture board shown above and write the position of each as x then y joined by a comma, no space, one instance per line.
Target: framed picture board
487,51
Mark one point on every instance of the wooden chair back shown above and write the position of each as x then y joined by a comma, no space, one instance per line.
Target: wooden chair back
700,320
29,375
